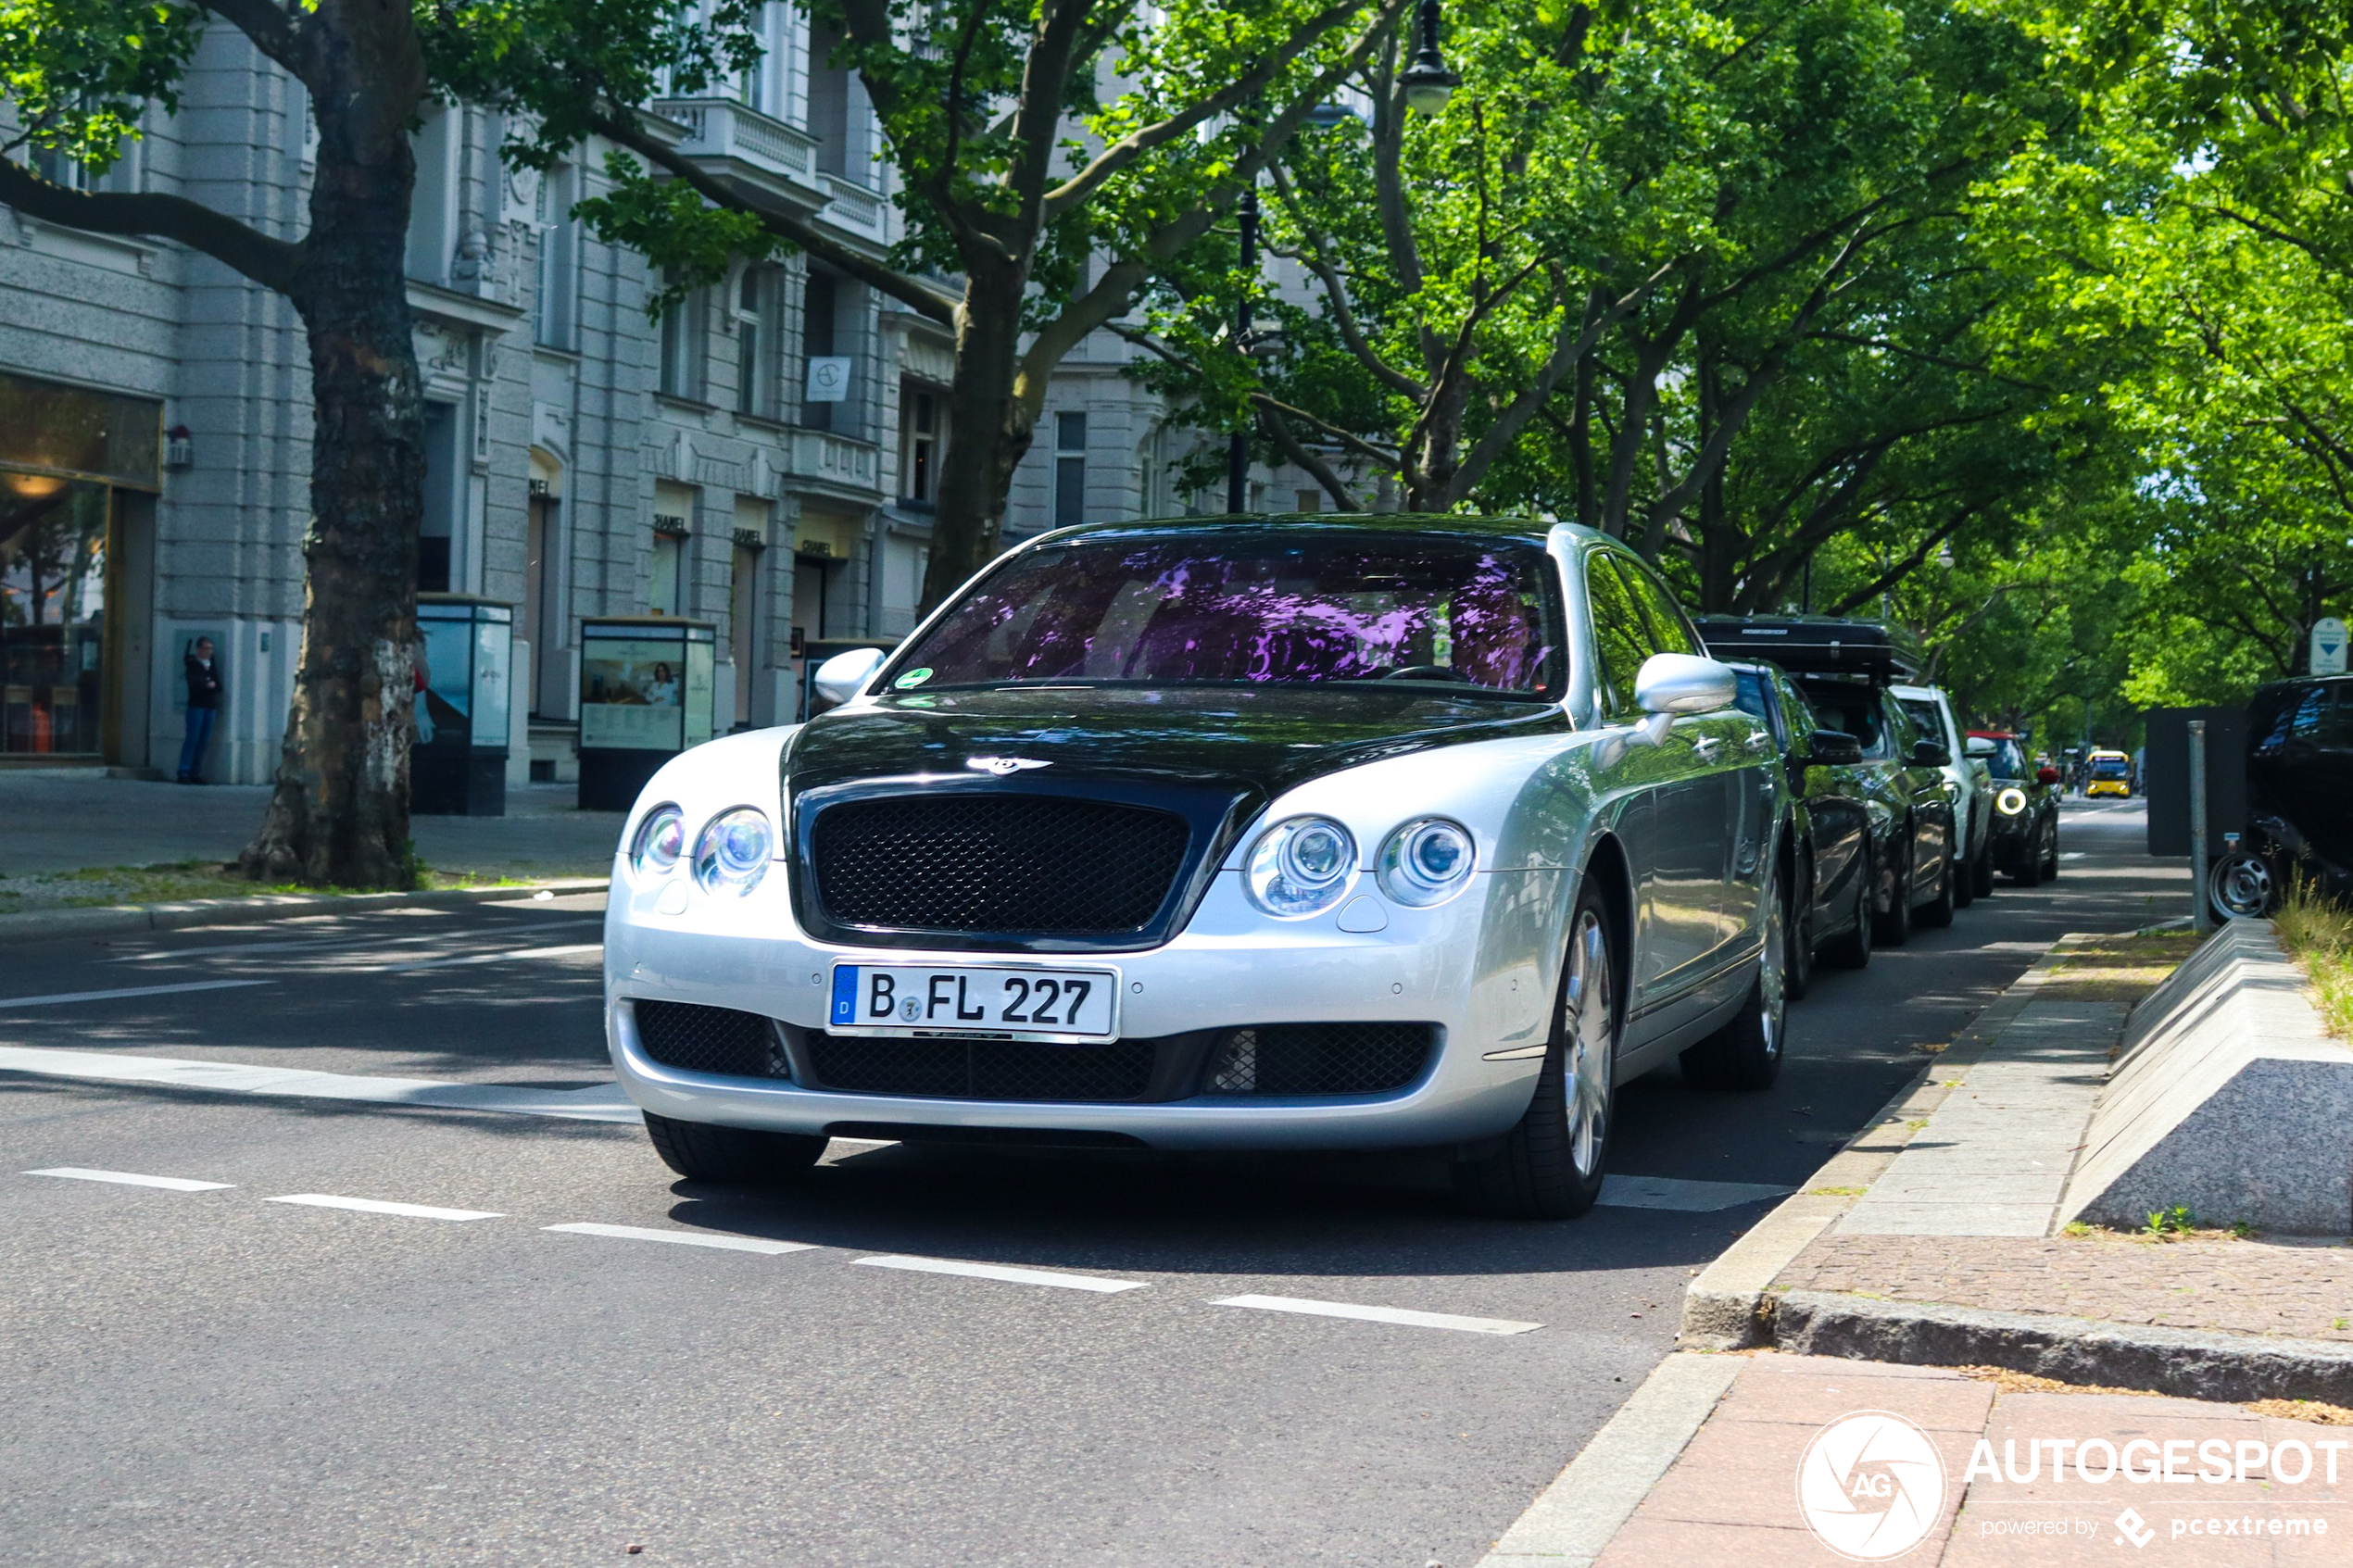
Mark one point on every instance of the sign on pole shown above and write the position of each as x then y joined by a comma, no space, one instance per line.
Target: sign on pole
2328,646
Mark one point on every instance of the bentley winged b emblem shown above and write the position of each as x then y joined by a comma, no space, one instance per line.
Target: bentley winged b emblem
1005,767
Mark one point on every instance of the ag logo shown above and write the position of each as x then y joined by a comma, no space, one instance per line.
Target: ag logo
1871,1486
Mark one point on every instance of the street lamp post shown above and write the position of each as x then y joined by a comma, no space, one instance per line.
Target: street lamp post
1237,446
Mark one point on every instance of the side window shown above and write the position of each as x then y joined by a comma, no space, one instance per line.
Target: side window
2336,730
1670,632
1619,636
2309,712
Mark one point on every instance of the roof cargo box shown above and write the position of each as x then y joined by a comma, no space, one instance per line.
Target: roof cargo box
1816,644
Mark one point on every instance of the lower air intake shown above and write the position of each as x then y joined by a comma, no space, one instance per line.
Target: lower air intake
1319,1059
1002,1070
719,1040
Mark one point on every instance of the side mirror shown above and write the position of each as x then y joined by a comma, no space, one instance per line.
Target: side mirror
1833,749
1931,754
2046,775
1981,746
1678,683
839,678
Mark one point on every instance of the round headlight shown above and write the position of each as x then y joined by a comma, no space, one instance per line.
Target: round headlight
1427,862
2011,802
1302,867
732,854
661,838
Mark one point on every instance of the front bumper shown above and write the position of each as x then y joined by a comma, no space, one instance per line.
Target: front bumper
1477,967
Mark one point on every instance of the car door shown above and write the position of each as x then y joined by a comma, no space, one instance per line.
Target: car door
1834,805
1674,910
1710,815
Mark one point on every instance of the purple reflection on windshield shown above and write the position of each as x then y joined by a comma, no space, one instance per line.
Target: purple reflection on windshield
1202,608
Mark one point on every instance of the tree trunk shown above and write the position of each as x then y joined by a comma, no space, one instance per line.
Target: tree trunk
340,813
989,436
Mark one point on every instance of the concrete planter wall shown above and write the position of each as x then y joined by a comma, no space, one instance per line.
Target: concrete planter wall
2229,1097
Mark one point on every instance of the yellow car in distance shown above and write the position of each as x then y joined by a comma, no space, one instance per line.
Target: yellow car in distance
2110,773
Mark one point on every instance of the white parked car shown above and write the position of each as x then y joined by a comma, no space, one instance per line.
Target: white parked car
1966,785
1306,833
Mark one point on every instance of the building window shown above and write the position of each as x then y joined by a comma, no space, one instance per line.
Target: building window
821,395
121,177
668,596
837,111
760,327
1070,470
685,345
433,207
556,323
923,420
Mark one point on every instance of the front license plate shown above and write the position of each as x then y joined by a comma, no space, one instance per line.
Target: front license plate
1010,1003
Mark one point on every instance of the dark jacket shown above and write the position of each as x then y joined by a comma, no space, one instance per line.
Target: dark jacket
204,685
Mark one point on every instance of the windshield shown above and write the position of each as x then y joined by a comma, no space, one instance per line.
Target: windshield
2008,760
2111,767
1253,607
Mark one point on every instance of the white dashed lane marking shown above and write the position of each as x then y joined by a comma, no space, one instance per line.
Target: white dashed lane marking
998,1272
685,1238
574,950
131,1179
1379,1315
11,1004
377,1206
602,1103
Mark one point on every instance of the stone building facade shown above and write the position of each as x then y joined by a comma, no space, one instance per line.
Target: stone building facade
759,458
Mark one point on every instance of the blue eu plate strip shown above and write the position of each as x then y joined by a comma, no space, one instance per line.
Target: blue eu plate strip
845,993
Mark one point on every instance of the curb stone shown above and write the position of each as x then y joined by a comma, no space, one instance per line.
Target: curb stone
1728,1306
2189,1363
42,925
1573,1518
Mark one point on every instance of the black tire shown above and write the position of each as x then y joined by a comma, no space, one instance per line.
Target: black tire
1746,1052
1938,911
2050,860
1964,878
1854,949
732,1156
1797,970
1892,927
1980,870
1550,1165
2029,866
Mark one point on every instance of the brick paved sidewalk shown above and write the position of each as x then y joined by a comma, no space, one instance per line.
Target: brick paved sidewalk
2297,1290
1734,1495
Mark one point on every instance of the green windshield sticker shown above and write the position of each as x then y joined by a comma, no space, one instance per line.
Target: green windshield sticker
913,679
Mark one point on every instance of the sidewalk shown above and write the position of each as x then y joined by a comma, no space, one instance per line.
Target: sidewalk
1924,1275
63,834
2063,1476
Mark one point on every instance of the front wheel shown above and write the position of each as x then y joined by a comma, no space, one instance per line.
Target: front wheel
1550,1165
733,1156
1797,967
1854,949
2050,854
2241,886
1980,869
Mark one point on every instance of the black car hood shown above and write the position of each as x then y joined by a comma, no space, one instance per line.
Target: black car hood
1255,739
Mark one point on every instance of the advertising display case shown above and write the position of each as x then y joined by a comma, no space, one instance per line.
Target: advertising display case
646,693
465,673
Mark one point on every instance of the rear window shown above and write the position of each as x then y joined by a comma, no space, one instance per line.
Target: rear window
1927,715
1854,708
1230,607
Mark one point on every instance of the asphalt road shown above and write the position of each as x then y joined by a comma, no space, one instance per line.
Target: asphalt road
212,1378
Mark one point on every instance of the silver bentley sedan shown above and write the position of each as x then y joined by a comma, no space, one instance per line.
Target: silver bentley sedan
1321,832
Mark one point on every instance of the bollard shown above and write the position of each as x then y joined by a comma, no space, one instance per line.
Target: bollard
2201,911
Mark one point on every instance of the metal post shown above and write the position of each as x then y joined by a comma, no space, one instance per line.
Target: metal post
2201,913
1237,448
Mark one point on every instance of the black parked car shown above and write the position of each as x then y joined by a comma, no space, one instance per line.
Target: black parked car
2026,802
2299,784
1829,822
1843,669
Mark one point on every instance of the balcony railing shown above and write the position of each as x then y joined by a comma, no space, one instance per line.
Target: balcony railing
765,156
837,460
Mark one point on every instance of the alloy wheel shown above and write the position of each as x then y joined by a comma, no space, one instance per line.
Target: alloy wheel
1588,1001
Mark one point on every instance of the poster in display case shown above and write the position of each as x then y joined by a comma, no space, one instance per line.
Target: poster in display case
465,666
646,693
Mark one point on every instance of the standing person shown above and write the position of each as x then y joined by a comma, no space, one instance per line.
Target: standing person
203,706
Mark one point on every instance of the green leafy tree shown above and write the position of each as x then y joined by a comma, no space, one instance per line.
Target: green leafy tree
1051,156
80,75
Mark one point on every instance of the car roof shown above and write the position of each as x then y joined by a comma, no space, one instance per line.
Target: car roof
1532,531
